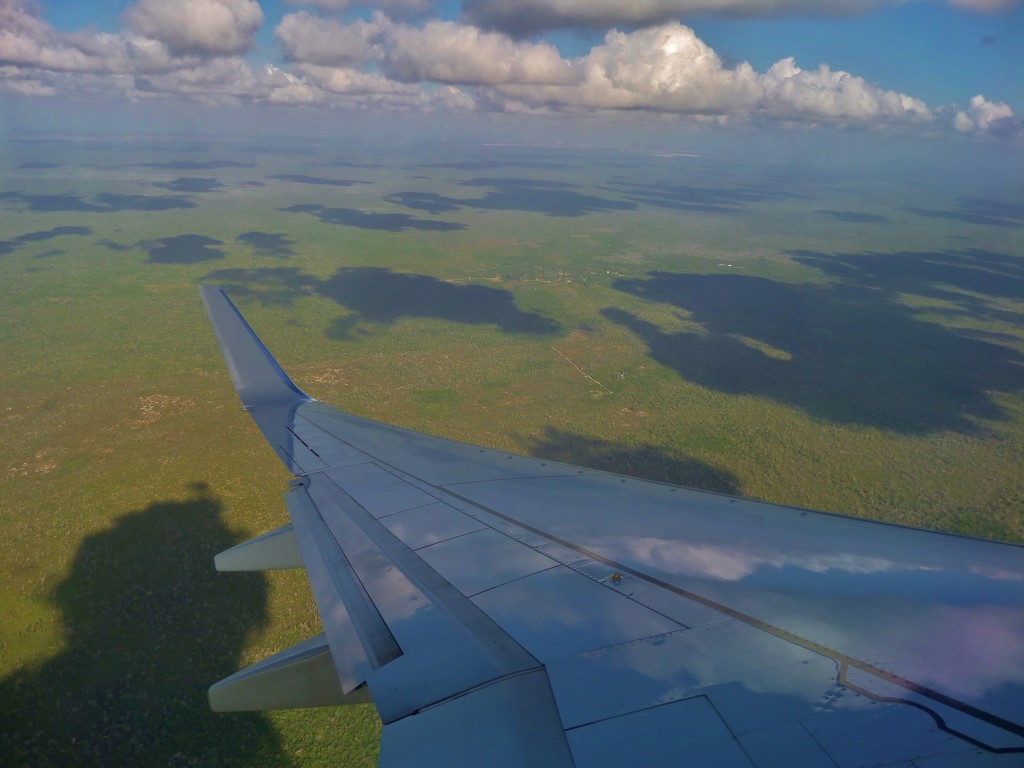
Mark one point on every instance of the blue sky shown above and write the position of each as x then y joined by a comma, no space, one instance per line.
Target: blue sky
923,63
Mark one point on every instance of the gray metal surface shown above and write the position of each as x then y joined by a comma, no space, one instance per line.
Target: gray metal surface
300,676
430,524
276,549
485,597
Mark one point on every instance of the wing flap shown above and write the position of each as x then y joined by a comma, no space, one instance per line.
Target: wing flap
297,677
486,598
511,723
274,550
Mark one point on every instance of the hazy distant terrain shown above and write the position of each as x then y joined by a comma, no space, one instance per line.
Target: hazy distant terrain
776,321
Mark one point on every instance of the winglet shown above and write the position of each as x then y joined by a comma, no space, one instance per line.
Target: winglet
257,376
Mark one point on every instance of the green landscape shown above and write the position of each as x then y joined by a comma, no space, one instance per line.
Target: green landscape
774,322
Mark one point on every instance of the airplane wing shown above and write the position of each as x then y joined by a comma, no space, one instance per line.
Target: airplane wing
501,610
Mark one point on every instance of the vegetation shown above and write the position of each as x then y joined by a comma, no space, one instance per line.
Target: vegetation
821,340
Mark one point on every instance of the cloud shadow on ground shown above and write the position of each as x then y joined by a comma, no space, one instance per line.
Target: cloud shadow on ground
190,184
494,165
845,352
114,246
148,626
966,279
299,178
183,249
701,199
854,217
551,198
9,246
979,210
105,202
388,222
190,165
274,244
644,461
379,296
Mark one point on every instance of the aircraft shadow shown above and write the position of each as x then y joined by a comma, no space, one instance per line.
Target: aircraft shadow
149,625
846,351
644,461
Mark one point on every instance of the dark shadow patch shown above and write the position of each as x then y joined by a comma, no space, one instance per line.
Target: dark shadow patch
389,222
114,246
354,164
321,181
189,165
48,254
548,197
844,352
552,198
644,461
183,249
272,286
49,234
702,199
105,202
378,295
944,275
149,625
9,246
190,184
381,296
114,202
979,210
854,217
38,165
429,202
274,244
494,165
51,203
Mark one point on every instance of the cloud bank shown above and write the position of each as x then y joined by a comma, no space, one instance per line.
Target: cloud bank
526,17
195,49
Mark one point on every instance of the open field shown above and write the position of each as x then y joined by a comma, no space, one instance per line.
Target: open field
818,336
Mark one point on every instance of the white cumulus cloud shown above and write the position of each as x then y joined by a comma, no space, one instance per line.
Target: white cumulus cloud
311,39
984,116
397,7
448,52
210,27
525,17
668,68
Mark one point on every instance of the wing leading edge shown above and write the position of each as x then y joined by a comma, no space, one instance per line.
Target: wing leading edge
511,611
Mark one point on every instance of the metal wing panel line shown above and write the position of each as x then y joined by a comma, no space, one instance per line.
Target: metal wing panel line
838,656
449,646
360,640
